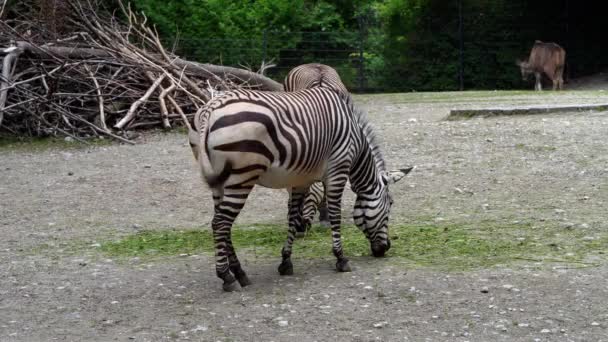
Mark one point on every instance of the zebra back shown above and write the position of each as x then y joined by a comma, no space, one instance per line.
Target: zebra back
308,76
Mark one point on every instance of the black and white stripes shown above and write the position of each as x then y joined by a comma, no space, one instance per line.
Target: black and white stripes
308,76
289,140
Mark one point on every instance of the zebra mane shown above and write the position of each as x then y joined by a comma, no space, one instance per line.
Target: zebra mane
368,131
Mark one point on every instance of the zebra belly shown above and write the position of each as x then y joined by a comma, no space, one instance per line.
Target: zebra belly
280,178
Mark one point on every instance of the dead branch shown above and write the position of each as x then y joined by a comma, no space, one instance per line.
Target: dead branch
163,105
102,114
132,111
100,77
7,71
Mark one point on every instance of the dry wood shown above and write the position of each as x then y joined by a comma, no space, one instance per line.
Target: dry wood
132,111
163,105
5,82
102,114
97,77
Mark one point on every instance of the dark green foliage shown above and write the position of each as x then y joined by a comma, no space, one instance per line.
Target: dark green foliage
407,44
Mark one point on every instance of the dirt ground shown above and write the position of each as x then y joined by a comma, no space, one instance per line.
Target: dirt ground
550,170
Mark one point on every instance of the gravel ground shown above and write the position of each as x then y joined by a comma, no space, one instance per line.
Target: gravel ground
550,170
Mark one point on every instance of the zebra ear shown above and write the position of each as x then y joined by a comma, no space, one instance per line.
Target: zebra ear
395,175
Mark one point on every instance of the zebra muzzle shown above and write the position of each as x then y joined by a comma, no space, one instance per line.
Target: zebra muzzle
380,248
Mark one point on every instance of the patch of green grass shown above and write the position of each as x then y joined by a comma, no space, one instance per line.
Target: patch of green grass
445,246
543,148
42,144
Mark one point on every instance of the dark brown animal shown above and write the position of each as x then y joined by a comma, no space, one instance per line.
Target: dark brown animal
547,58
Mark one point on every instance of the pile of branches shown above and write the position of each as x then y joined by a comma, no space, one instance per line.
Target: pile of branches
86,74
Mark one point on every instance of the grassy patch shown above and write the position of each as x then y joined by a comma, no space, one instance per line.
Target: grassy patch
42,144
447,246
544,148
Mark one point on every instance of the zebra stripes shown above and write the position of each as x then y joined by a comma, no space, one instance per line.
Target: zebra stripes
289,140
308,76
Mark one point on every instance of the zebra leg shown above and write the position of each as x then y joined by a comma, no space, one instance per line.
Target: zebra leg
323,212
295,215
334,191
315,198
229,203
235,266
295,226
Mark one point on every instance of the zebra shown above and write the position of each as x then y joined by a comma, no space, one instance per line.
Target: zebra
289,140
307,76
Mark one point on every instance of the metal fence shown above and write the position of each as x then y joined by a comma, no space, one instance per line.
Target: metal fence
472,46
341,50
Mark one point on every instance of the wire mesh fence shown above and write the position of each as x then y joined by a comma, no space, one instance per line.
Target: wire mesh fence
286,50
457,45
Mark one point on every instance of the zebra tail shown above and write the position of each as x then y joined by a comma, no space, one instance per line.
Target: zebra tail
212,178
218,180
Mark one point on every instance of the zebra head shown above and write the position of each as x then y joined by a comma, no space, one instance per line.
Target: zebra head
372,211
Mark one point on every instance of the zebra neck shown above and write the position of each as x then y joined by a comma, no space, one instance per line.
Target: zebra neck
368,133
365,175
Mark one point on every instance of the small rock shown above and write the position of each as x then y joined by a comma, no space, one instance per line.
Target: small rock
68,139
507,286
485,289
568,225
559,211
584,225
595,324
545,331
489,140
412,120
283,323
380,325
199,328
147,166
458,191
523,325
137,226
70,173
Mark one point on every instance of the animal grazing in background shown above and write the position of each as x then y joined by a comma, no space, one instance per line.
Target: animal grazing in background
290,140
308,76
547,58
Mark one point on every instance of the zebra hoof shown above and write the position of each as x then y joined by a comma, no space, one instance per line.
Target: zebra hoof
300,234
286,268
244,280
230,287
325,224
343,266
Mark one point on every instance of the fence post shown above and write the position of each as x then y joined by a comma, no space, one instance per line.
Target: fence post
460,48
361,57
264,45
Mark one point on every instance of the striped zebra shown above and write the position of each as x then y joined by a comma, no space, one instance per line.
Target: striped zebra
289,140
308,76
